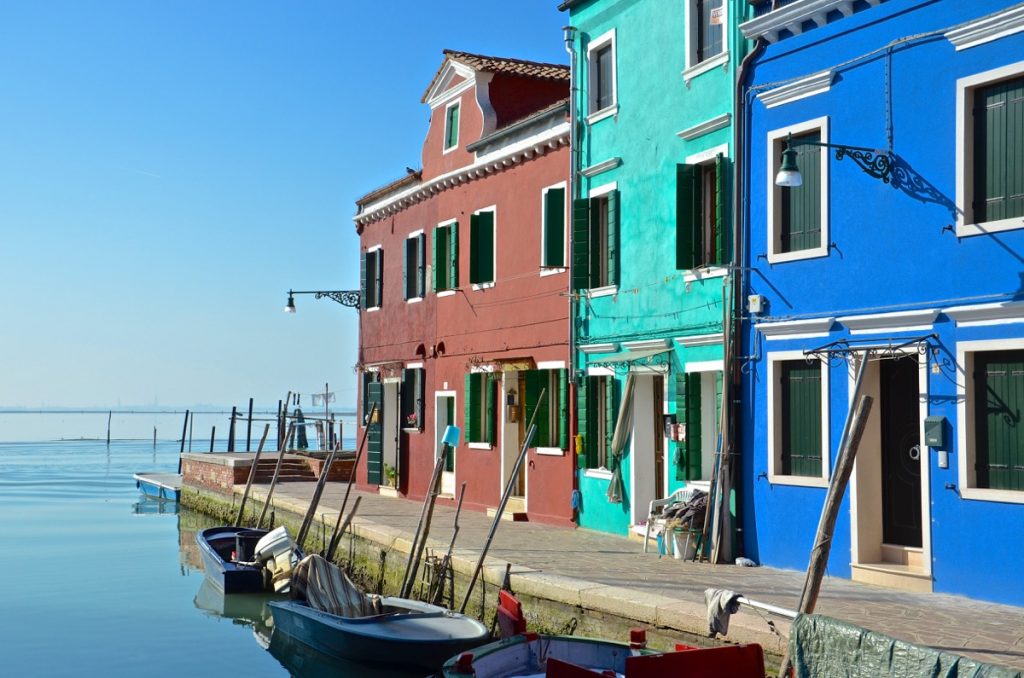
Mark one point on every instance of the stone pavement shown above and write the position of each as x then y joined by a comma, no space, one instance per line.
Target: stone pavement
609,574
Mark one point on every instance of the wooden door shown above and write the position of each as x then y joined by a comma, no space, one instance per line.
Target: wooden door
375,437
901,452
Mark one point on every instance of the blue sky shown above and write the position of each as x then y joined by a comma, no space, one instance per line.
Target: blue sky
169,169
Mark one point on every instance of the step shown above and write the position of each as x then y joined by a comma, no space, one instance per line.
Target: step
893,576
515,510
913,556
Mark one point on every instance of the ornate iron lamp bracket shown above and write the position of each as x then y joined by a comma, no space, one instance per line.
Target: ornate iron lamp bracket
873,161
348,298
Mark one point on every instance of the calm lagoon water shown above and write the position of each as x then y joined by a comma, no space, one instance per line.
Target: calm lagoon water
98,581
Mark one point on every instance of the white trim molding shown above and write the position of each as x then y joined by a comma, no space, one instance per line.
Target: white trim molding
791,18
796,329
646,344
701,340
808,86
987,28
775,414
550,364
598,168
445,148
591,349
776,143
606,38
900,321
704,366
707,127
977,315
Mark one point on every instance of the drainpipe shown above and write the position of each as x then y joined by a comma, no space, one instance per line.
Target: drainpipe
734,315
570,37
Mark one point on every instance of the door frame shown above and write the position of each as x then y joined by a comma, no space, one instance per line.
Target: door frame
439,433
863,553
507,457
639,503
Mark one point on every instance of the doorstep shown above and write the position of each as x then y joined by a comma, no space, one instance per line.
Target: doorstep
893,576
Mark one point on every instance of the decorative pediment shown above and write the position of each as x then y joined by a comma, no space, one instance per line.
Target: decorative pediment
451,79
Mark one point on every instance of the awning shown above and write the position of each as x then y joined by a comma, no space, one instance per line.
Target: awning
627,360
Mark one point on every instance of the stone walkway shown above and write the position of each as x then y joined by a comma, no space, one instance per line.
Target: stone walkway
610,574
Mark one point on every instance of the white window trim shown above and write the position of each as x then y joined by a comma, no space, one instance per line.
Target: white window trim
443,224
551,365
606,291
444,139
415,300
494,248
965,420
598,473
774,433
705,366
551,451
603,189
774,217
596,192
693,69
374,248
607,38
706,157
480,446
965,152
551,270
445,293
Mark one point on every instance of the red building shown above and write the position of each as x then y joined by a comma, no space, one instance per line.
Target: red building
465,293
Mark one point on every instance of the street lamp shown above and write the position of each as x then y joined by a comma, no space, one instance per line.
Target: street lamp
348,298
875,162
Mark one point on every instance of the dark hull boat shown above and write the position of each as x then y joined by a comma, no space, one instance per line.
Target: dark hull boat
244,560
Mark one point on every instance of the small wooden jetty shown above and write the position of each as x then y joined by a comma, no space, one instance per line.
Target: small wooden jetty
163,486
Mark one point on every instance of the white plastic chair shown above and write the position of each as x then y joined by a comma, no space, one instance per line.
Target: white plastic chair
657,508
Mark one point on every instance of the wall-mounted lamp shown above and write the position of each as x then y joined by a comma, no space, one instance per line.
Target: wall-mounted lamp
873,161
348,298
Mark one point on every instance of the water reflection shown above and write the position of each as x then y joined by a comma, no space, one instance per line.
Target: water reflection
150,506
244,609
302,660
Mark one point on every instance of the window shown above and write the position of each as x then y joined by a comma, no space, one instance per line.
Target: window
445,255
991,420
706,36
700,223
798,217
414,267
372,278
552,418
480,408
601,69
699,409
451,126
797,420
553,227
597,402
595,244
412,398
990,151
481,247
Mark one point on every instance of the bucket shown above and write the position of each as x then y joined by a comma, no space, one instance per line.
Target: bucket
245,545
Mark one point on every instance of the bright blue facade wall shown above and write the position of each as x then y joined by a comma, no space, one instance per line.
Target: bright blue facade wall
891,250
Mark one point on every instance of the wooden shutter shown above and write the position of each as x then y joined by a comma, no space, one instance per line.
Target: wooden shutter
580,244
378,279
471,399
583,418
420,396
407,396
421,261
687,217
363,301
485,248
611,409
474,249
999,403
554,227
453,254
721,176
375,436
433,257
563,409
999,151
680,397
405,269
694,442
536,380
613,237
801,206
487,382
801,418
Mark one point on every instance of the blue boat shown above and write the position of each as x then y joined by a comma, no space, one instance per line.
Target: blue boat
245,560
162,486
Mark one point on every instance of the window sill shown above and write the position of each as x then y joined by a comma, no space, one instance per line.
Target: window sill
551,270
705,66
551,451
481,446
967,230
598,473
446,293
798,481
606,112
414,300
606,291
1001,496
706,272
416,429
372,309
783,257
483,286
446,151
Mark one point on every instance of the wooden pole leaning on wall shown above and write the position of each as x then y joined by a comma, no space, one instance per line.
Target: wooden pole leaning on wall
351,477
340,531
423,528
307,520
829,513
531,431
252,475
273,482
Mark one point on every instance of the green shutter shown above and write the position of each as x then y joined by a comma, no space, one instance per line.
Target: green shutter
488,383
718,401
693,426
535,381
998,423
433,258
484,250
580,244
554,227
680,397
378,279
613,237
801,418
364,302
801,206
999,151
611,401
453,253
474,248
687,216
375,436
421,261
405,269
420,396
721,176
452,127
472,407
563,409
584,419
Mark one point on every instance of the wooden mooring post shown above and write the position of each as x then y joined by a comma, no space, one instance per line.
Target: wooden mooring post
248,429
231,429
181,450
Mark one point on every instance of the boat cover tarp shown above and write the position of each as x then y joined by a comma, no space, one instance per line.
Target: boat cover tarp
326,588
822,646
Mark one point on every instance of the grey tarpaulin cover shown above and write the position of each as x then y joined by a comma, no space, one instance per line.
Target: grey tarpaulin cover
822,646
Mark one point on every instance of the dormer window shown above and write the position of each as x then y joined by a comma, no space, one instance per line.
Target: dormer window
451,126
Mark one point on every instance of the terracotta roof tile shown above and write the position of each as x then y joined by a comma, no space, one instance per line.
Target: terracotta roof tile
490,64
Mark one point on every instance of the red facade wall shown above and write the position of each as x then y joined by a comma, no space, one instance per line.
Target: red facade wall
471,123
514,98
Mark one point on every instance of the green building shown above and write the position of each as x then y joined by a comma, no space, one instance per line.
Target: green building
651,230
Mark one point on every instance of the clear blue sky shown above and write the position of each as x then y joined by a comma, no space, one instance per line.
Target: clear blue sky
169,169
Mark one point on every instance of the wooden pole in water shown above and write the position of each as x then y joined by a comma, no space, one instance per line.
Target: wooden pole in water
252,475
827,523
420,541
352,474
248,430
181,451
190,422
109,415
154,437
231,429
273,482
213,435
531,431
340,532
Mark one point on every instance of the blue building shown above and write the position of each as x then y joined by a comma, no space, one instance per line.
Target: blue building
893,268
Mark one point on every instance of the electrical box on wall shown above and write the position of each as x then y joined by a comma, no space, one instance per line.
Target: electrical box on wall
935,431
755,303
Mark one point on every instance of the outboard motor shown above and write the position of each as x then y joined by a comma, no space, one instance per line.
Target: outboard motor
276,552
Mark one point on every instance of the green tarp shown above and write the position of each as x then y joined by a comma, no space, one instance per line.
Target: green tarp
822,646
